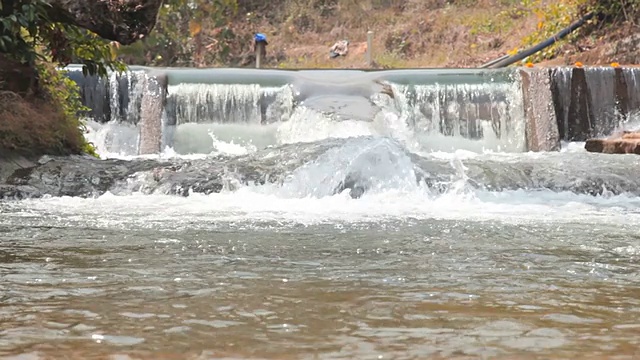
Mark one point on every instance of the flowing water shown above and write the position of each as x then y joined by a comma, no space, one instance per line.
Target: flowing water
508,255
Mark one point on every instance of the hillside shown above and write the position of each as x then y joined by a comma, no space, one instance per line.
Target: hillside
411,33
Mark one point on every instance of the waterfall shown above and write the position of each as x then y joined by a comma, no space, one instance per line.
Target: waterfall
471,109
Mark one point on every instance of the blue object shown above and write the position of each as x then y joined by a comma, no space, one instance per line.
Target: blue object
260,37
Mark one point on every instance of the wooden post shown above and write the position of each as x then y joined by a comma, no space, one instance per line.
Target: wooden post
369,44
260,49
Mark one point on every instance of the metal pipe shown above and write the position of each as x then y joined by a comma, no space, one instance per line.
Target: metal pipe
486,65
540,46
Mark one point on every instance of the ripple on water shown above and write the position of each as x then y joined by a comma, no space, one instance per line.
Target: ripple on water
117,340
474,290
218,324
537,339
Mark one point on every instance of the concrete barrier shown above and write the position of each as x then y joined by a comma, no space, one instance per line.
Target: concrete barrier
541,123
151,119
558,104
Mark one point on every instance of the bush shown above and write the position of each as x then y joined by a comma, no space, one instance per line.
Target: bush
39,106
47,122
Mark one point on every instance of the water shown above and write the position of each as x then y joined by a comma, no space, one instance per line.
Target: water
502,254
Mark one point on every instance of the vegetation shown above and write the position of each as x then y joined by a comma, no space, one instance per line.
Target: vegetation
412,33
47,123
42,116
179,39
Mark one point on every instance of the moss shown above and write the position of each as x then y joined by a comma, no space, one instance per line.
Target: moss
42,120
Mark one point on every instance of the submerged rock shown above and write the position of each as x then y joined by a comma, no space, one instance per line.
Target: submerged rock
358,165
85,176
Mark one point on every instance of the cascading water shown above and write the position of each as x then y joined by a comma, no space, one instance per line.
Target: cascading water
204,118
115,105
491,114
344,214
363,165
594,102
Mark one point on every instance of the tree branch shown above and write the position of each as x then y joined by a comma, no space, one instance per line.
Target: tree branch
124,21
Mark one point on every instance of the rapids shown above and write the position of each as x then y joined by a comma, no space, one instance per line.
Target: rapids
279,223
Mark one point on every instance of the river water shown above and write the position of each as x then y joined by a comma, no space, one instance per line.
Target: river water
291,271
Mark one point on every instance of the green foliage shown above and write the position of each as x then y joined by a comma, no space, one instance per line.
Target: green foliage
67,43
179,37
20,29
27,34
552,18
559,15
63,91
616,10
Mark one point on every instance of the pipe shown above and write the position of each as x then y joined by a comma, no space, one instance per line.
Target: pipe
540,46
486,65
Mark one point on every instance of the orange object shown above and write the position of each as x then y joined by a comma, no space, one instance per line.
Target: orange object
615,64
529,64
578,64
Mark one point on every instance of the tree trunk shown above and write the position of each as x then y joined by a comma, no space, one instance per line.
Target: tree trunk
124,21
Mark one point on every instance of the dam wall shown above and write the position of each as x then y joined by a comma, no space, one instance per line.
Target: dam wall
528,109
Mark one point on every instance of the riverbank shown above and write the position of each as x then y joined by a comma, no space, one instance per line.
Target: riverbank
39,109
413,34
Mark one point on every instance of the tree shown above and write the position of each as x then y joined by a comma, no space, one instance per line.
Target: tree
39,107
73,30
187,33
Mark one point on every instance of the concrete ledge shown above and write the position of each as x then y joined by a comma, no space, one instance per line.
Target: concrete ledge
627,143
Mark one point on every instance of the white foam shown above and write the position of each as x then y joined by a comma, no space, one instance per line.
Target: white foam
308,125
249,205
113,140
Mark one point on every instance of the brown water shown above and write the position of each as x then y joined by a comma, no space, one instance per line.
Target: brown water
118,287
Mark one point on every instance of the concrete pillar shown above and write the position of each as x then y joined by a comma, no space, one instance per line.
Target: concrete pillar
540,117
580,117
151,110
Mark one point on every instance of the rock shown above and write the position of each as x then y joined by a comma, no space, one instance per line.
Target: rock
124,21
316,164
11,161
627,143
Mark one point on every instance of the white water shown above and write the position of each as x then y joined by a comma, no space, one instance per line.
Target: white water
305,197
249,207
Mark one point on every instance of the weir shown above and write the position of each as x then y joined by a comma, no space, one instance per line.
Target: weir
510,110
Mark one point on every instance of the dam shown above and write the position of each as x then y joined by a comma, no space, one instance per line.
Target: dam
330,214
149,109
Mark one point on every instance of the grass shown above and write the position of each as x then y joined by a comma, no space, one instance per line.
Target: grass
418,34
35,126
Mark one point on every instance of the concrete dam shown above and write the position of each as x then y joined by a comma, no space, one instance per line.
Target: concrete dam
508,110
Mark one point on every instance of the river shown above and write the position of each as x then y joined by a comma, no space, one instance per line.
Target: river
295,270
